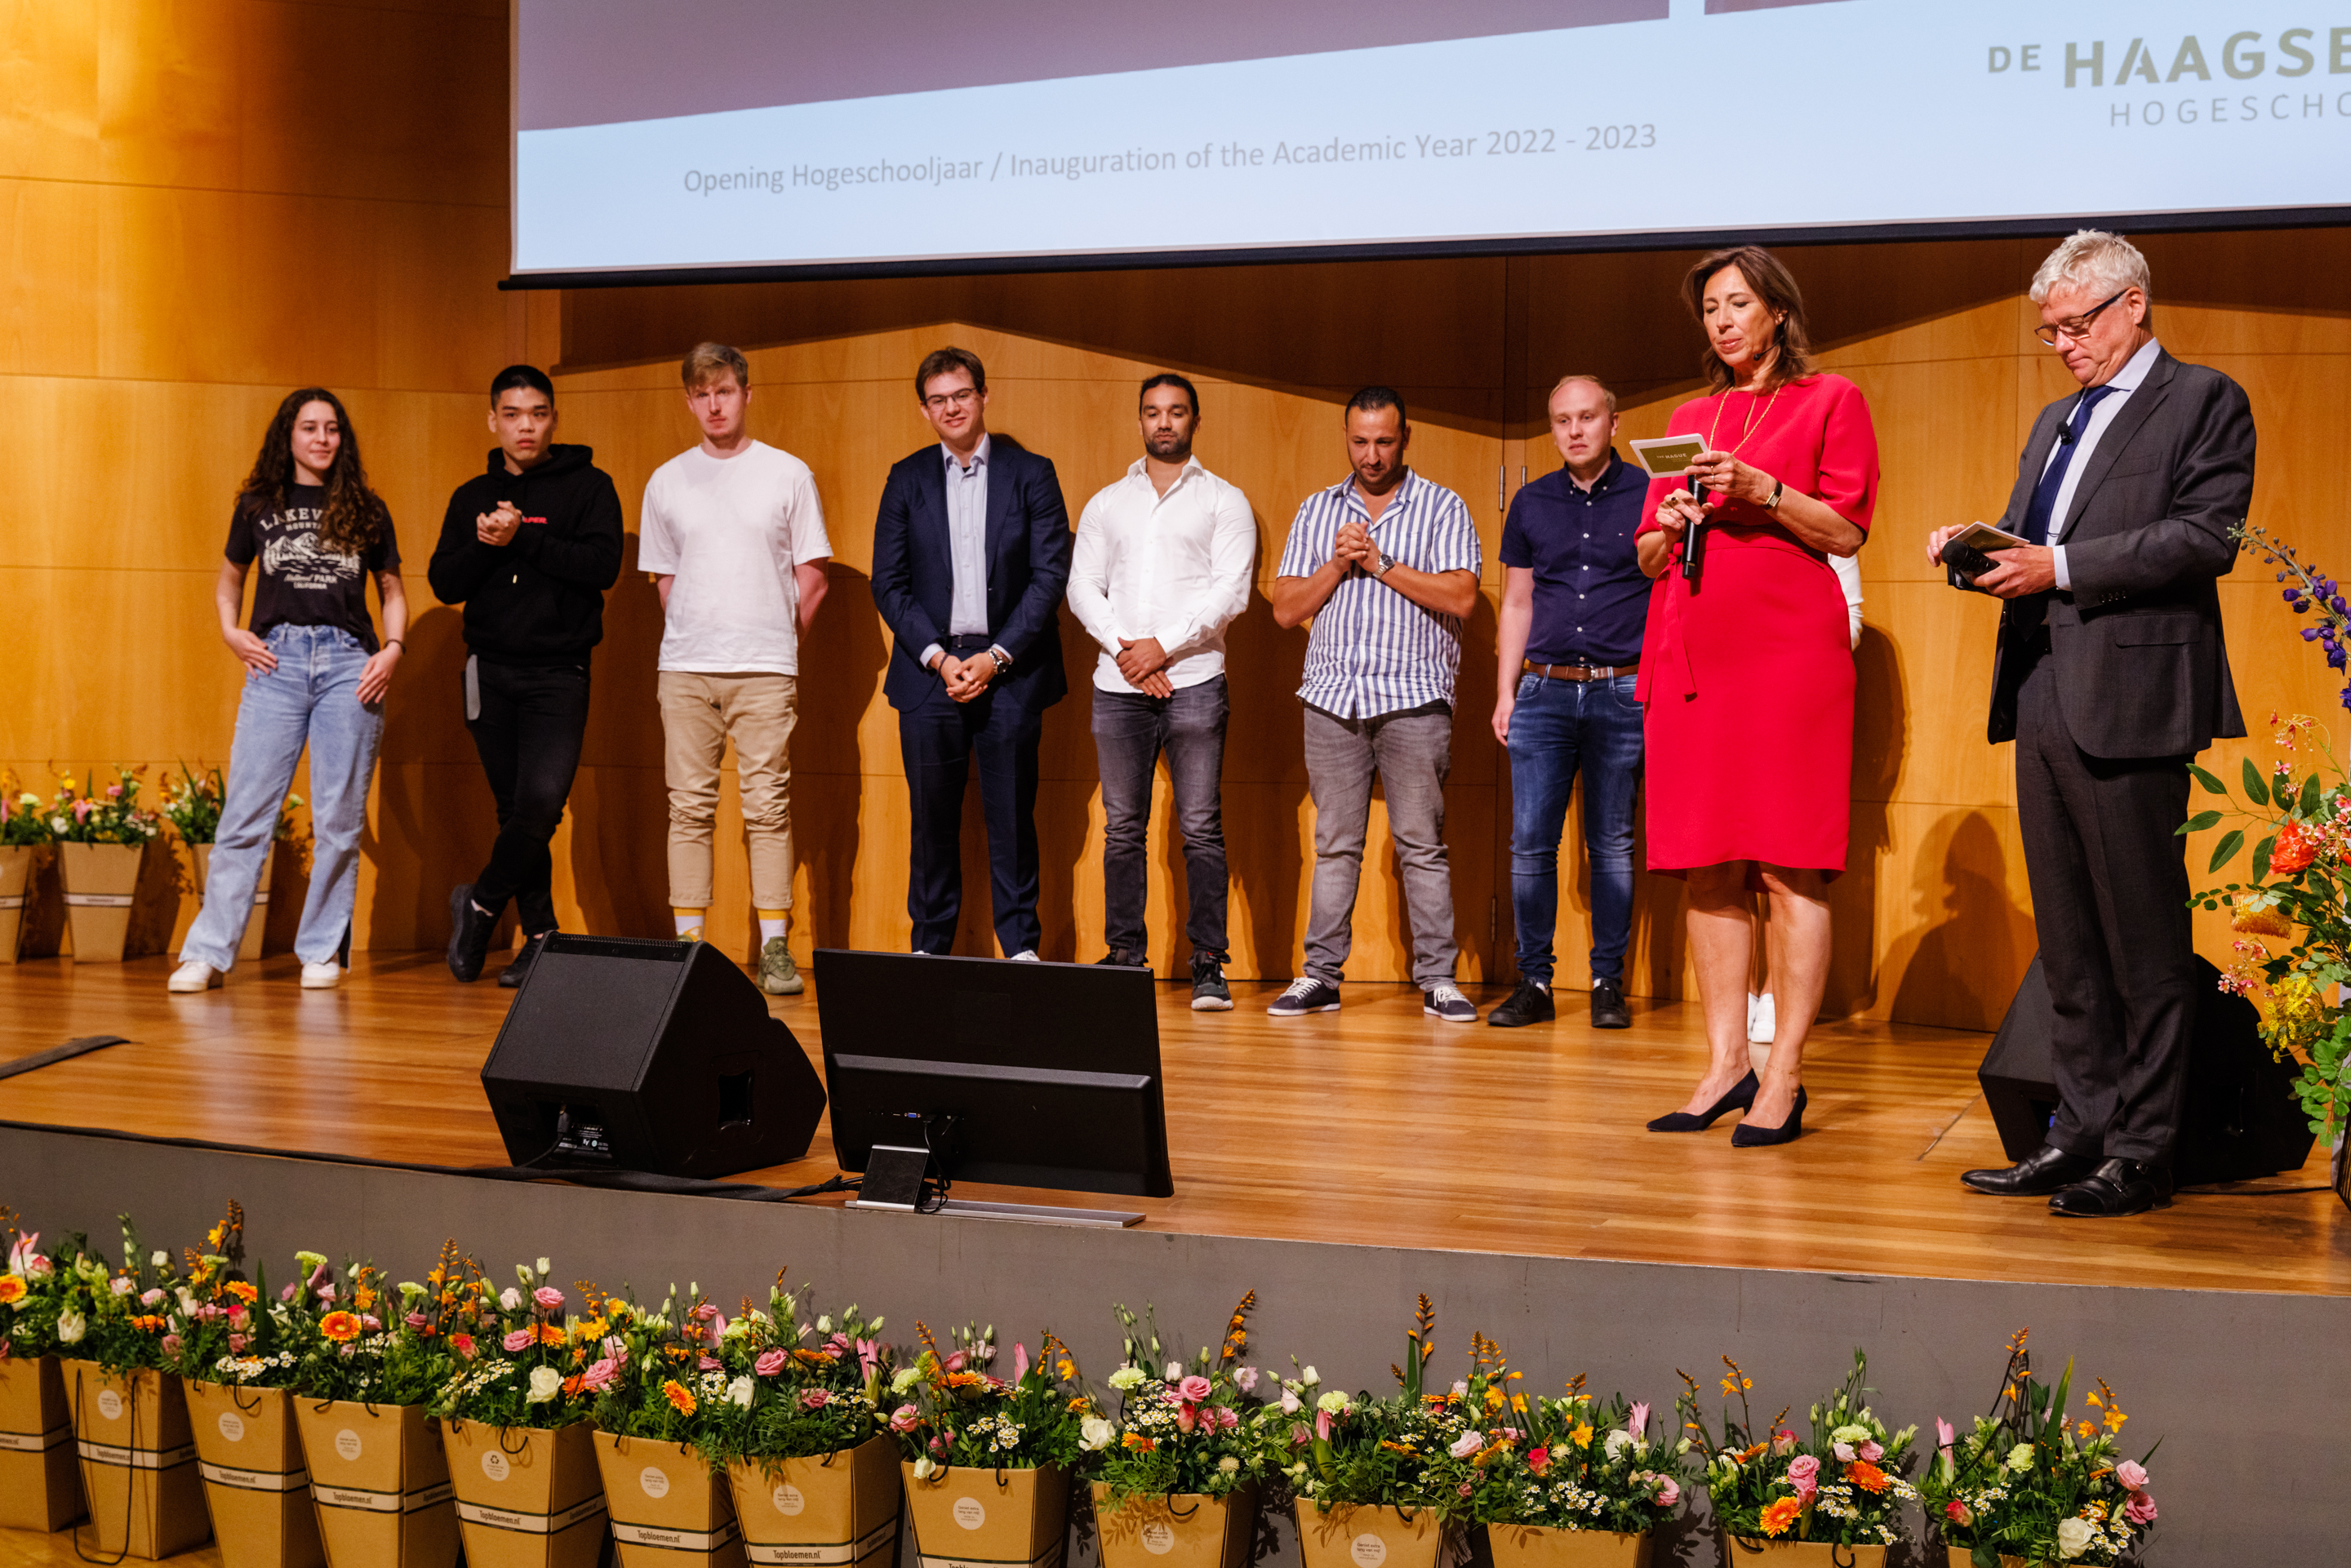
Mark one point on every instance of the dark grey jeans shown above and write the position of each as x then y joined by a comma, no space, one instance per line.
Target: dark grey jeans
1130,732
1410,752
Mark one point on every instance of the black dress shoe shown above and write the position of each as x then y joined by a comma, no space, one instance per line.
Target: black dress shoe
2116,1188
1608,1009
515,972
1747,1136
469,934
1531,1003
2037,1175
1741,1095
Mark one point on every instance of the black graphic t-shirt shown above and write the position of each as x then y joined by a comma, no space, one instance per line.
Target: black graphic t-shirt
301,584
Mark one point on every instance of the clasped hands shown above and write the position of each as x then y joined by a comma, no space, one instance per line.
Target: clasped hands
1353,546
2026,569
498,528
967,678
1144,662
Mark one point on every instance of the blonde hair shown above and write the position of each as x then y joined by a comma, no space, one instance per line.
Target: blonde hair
1565,382
705,360
2106,263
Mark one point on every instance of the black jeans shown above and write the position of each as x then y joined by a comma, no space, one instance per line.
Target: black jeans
529,733
1130,732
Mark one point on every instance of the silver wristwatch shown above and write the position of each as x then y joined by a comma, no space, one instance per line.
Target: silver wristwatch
1387,564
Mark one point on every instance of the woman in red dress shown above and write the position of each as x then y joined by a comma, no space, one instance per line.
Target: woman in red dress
1747,677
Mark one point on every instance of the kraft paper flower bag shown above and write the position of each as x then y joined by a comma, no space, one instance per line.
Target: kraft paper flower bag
1177,1465
988,1461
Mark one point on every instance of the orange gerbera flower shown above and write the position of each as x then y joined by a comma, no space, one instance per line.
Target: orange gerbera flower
340,1327
1778,1516
549,1333
12,1289
680,1396
244,1290
1865,1476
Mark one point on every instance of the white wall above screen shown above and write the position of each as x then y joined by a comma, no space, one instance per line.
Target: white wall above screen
776,134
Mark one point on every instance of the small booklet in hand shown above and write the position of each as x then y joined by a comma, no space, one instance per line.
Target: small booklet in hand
1968,556
1668,457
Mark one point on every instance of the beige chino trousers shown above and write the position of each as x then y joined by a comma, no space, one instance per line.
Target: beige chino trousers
699,713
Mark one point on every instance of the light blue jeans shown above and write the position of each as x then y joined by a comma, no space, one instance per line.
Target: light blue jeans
313,695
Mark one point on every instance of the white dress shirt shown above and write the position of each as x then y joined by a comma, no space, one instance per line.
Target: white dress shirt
1174,567
2127,382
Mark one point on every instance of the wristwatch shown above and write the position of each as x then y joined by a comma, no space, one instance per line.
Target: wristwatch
1779,488
1387,564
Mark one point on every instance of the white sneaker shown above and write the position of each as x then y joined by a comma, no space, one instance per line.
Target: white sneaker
192,976
1026,955
1763,1018
321,976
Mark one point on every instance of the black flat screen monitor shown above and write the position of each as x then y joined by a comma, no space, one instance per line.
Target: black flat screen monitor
1049,1070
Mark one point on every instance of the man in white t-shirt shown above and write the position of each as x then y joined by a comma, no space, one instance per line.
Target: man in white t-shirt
734,535
1161,568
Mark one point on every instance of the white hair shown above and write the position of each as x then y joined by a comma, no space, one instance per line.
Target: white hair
2106,263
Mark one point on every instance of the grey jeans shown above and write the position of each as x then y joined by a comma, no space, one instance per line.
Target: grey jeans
1411,752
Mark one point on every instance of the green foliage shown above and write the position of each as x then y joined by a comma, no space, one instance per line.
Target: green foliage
1842,1485
520,1361
962,1414
2027,1483
792,1389
1190,1432
23,820
87,814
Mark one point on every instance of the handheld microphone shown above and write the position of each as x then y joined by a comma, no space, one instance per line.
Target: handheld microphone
1694,541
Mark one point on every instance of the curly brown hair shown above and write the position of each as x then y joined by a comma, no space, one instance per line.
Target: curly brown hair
354,514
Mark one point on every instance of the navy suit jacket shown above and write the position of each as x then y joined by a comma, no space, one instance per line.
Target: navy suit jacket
1028,544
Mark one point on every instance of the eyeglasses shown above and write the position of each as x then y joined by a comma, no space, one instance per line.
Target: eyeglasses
945,401
2077,327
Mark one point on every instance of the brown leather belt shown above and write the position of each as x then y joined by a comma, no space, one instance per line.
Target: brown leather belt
1581,672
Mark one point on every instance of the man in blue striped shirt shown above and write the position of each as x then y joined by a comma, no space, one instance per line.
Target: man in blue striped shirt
1385,565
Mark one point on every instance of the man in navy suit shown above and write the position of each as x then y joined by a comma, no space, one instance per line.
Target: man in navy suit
971,553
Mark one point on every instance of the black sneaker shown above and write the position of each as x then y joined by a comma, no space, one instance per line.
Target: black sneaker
1306,995
515,972
1122,958
1531,1003
1210,992
1445,1000
1608,1009
469,934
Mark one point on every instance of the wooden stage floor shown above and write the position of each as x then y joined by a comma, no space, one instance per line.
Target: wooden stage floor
1375,1125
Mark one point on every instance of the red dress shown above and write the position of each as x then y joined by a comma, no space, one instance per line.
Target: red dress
1748,682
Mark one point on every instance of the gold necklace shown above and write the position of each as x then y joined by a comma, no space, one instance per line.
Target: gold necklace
1748,434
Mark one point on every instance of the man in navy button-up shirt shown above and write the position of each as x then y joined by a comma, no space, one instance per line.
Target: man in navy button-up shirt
1573,604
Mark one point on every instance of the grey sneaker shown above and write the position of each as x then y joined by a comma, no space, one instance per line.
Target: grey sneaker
1444,1000
779,976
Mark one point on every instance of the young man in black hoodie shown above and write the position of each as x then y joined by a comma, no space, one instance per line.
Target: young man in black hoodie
528,548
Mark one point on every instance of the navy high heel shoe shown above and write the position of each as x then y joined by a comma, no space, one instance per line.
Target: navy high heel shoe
1747,1136
1741,1095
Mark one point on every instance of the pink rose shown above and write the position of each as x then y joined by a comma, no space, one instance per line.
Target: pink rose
1466,1444
703,1311
236,1344
600,1375
1957,1512
151,1297
903,1419
348,1351
1186,1420
1872,1451
518,1341
770,1362
1228,1419
955,1363
372,1324
1196,1388
416,1319
1843,1451
816,1398
171,1344
2140,1509
1539,1459
1805,1474
1782,1441
707,1363
548,1297
1669,1492
326,1293
235,1314
2132,1474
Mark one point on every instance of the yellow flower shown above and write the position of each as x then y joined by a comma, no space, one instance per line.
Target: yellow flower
1582,1434
12,1289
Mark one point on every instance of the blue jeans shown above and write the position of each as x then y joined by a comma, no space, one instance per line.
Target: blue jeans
1557,727
1130,732
311,695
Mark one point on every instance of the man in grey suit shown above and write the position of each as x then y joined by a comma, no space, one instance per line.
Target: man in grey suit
2111,675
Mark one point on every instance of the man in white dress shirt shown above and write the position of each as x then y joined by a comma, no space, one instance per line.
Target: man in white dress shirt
1161,569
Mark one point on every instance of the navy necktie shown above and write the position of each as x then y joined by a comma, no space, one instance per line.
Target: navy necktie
2044,495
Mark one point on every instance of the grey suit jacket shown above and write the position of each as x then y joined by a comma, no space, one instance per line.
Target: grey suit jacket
2140,664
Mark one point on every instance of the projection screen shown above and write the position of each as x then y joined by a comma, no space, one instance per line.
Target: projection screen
718,136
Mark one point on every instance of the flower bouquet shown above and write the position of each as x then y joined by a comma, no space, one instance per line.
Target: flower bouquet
1772,1491
515,1426
234,1351
367,1360
37,1490
988,1461
1556,1481
796,1437
115,1328
666,1505
1177,1472
2028,1487
23,830
1357,1467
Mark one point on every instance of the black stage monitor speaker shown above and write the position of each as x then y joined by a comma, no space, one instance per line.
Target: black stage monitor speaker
648,1056
2239,1119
